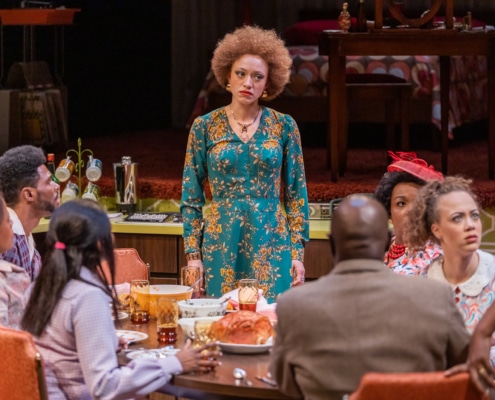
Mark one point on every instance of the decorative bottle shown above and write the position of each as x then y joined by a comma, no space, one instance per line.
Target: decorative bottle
345,18
361,23
50,164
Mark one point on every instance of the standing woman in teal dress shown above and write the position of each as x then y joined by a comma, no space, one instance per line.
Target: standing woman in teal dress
250,157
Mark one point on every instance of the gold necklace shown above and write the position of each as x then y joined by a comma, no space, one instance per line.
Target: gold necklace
244,127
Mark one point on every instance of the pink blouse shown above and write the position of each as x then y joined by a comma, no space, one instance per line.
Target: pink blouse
15,283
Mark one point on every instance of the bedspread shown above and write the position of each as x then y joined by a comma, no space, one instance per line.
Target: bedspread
468,91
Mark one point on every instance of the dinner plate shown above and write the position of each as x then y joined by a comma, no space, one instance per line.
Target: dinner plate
152,354
121,315
131,336
246,348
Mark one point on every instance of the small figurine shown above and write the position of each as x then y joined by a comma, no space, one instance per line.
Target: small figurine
468,19
345,18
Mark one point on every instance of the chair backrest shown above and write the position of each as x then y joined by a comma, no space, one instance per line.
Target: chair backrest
128,266
23,376
416,386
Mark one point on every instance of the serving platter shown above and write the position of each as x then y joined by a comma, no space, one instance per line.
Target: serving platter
246,348
121,315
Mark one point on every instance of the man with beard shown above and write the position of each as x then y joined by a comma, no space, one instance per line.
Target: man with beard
30,194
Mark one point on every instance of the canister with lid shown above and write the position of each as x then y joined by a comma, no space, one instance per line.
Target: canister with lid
126,173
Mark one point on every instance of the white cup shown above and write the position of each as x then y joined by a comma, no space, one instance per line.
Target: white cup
70,192
94,168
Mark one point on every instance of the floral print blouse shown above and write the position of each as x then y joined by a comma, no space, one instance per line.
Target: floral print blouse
258,219
414,262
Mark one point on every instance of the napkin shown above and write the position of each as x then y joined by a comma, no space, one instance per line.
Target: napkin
268,310
234,299
123,289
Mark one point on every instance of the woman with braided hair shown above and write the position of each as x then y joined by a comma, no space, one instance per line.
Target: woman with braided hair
69,316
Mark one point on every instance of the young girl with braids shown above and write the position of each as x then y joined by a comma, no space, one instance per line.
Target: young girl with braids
69,316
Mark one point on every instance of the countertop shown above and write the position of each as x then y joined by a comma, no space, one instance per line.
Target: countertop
319,228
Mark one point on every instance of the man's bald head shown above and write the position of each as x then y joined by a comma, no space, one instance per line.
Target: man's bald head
359,229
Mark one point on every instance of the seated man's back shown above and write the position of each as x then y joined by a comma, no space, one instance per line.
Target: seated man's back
363,317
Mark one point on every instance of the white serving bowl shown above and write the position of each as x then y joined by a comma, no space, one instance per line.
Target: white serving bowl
177,292
187,324
195,308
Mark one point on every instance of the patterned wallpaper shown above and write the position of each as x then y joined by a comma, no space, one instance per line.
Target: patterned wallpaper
488,221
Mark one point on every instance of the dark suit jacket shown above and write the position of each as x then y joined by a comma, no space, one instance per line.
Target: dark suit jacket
362,317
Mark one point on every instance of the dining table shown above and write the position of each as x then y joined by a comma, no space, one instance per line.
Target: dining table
219,384
444,43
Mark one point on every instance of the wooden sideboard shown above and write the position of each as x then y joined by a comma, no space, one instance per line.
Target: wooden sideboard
161,246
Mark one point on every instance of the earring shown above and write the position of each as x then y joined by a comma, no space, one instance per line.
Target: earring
227,87
264,95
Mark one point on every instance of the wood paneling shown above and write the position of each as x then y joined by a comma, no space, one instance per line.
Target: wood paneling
317,258
160,251
165,255
154,280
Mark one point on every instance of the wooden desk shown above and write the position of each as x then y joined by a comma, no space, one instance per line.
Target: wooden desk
219,384
443,43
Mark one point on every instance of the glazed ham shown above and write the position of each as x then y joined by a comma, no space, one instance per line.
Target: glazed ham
243,327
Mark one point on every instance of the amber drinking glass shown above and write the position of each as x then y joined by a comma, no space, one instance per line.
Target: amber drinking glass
140,301
203,334
167,317
248,294
190,275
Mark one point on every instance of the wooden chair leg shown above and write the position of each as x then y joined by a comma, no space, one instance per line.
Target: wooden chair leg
404,118
390,123
343,143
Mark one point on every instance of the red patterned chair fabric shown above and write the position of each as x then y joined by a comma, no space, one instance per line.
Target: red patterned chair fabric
128,266
416,386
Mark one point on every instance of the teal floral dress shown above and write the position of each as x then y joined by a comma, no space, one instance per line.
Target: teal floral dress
246,232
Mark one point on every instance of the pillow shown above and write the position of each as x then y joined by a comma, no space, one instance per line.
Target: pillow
306,32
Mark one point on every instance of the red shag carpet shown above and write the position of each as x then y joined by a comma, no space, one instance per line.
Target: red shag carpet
160,155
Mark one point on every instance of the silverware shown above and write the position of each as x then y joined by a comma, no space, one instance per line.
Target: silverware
241,376
133,349
239,373
225,300
266,380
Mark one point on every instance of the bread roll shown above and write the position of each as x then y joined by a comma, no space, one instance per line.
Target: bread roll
243,327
